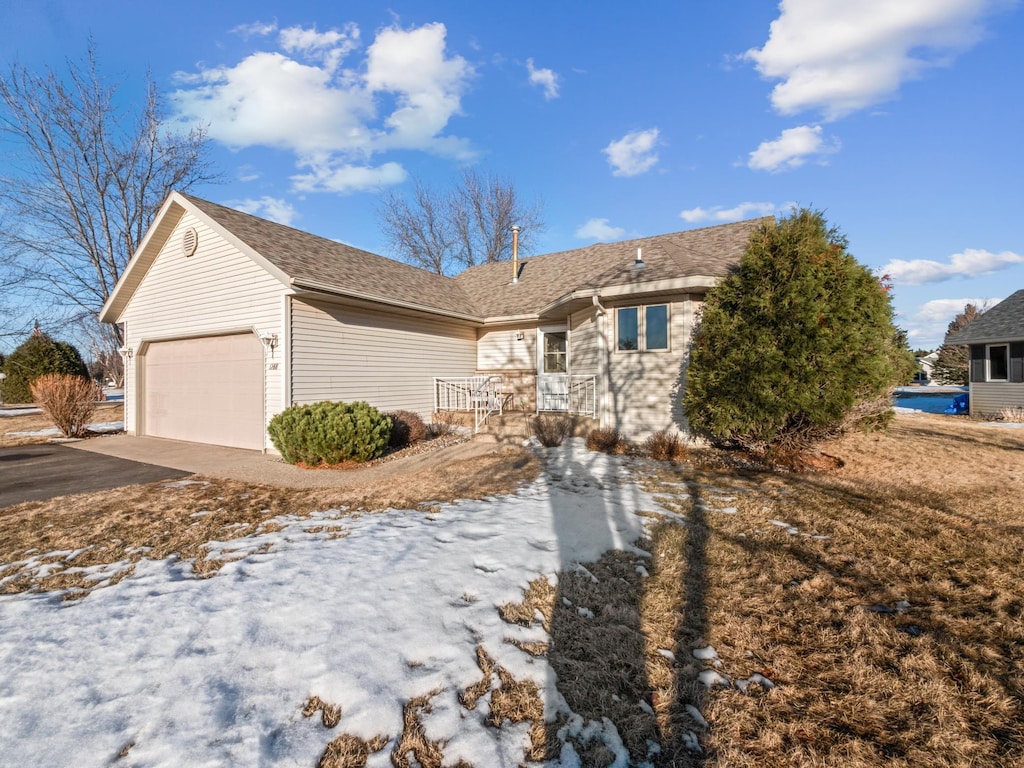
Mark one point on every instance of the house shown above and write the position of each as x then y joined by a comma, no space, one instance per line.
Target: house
229,318
996,341
925,368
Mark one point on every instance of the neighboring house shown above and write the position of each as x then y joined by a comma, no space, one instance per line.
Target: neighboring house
228,319
925,367
996,341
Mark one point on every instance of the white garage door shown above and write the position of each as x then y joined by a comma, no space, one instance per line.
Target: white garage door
206,390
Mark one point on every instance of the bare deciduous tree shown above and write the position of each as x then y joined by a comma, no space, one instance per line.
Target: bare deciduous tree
470,224
87,179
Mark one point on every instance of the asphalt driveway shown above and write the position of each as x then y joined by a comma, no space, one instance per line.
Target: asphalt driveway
37,472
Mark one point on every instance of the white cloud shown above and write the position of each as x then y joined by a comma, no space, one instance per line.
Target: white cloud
344,178
334,115
273,208
792,149
927,326
330,47
748,210
545,78
599,229
426,84
255,29
838,56
971,263
634,153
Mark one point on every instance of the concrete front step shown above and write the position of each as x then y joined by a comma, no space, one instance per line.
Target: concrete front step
514,427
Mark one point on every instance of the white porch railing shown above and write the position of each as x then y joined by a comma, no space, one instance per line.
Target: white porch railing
480,394
583,395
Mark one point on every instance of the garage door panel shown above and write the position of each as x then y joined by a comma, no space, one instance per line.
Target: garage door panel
206,390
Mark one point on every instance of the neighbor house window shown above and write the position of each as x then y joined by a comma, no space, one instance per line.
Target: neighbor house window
998,362
642,328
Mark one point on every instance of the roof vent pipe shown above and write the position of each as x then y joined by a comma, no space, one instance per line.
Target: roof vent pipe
515,253
639,263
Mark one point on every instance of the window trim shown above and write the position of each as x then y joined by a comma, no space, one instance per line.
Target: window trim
641,328
1006,361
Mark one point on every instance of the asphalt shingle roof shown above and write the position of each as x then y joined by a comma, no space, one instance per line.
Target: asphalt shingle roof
306,257
1004,322
487,290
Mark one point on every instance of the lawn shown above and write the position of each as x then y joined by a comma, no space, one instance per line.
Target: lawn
612,611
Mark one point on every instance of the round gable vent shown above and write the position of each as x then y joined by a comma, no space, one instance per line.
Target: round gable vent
189,241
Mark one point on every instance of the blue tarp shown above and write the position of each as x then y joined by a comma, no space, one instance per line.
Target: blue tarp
960,405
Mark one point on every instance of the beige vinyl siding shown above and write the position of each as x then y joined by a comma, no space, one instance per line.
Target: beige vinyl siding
498,349
584,343
216,290
988,398
645,388
390,361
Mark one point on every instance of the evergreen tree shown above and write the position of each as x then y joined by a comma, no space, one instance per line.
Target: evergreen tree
38,355
952,364
795,345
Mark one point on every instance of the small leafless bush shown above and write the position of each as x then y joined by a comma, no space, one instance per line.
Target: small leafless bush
407,428
443,423
1013,415
551,430
68,400
606,440
665,446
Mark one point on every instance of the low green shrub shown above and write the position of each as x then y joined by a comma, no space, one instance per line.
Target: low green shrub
407,428
330,433
606,440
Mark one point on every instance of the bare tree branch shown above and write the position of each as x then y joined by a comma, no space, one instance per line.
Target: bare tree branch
88,179
467,225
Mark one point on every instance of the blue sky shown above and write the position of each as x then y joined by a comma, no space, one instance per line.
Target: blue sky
901,120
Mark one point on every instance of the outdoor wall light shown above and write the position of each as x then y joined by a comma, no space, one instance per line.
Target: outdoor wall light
126,352
269,341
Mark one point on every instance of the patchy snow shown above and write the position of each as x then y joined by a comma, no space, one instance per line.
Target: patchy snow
365,612
103,426
25,411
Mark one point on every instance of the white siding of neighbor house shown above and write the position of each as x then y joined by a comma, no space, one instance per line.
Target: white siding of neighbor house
348,353
216,290
990,397
498,349
644,389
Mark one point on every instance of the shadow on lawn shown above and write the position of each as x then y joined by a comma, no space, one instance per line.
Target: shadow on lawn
623,630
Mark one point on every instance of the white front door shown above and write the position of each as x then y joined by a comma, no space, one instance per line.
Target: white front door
552,368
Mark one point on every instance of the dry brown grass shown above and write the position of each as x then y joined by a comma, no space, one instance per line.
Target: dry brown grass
349,751
929,513
330,714
36,422
117,528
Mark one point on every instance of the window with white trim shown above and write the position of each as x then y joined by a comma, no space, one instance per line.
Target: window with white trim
642,329
998,362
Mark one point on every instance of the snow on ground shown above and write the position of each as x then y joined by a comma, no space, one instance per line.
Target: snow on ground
213,672
23,411
103,426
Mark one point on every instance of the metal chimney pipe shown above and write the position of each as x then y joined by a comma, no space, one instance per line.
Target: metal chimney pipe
515,253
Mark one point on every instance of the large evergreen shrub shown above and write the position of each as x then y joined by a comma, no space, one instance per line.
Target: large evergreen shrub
795,345
330,433
37,356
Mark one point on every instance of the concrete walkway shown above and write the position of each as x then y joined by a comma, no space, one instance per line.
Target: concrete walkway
255,467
